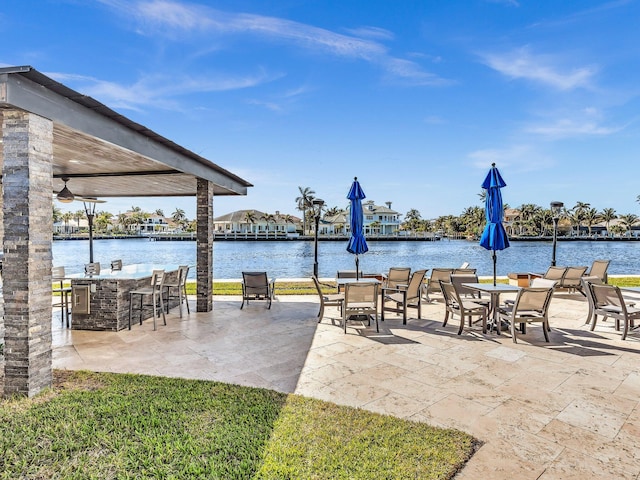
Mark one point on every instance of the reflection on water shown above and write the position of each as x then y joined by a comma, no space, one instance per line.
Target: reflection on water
292,259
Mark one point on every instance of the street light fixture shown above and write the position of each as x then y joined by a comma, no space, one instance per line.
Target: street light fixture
556,208
317,210
90,212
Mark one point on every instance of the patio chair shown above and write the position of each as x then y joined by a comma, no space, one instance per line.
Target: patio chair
552,273
543,283
456,305
397,276
154,290
257,286
599,269
177,288
537,282
327,300
404,296
571,280
360,299
433,283
531,305
92,268
608,302
462,271
347,274
458,279
586,287
58,275
116,264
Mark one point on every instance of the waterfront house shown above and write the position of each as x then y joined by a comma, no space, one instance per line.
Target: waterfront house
70,226
255,221
378,220
151,223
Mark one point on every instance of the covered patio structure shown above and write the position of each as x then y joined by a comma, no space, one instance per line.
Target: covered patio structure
50,132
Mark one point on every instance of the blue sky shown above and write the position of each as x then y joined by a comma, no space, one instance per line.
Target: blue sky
415,98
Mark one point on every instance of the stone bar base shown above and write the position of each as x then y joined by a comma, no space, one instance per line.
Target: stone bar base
109,304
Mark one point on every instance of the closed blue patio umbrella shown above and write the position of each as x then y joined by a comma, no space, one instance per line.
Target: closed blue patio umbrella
357,243
494,237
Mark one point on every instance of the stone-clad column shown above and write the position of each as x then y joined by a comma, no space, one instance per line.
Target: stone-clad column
204,246
28,226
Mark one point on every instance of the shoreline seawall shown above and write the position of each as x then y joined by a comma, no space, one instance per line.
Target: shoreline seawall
328,238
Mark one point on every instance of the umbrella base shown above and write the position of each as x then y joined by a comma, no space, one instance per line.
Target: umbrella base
504,326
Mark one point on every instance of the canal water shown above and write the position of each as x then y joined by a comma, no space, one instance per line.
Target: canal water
294,259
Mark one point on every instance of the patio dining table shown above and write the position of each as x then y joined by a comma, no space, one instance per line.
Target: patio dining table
101,301
494,291
342,281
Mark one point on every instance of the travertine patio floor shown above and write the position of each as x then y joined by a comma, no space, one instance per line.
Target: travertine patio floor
567,409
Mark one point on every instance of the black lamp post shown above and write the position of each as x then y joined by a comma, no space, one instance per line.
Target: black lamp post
317,210
90,212
556,207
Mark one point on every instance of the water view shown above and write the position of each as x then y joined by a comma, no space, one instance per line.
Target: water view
293,259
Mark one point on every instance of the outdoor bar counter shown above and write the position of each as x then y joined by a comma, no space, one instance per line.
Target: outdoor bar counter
107,305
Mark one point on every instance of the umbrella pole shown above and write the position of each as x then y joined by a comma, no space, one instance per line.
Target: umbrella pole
494,268
357,263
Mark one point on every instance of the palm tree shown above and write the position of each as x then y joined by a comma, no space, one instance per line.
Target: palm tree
138,217
179,217
57,214
412,220
527,211
590,218
542,220
473,218
288,219
628,221
159,212
304,202
122,221
103,220
269,218
575,217
332,212
79,215
66,218
578,211
250,217
607,215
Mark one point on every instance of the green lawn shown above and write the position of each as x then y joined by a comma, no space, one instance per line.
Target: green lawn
307,288
98,425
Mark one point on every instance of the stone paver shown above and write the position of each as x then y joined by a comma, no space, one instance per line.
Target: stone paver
565,409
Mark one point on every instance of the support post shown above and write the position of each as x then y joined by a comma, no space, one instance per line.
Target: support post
204,247
27,186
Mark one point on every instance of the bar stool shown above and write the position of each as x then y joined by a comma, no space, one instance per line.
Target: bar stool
155,289
58,275
181,285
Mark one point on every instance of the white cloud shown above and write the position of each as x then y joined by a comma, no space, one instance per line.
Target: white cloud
586,122
371,32
157,89
164,17
524,157
566,127
522,64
